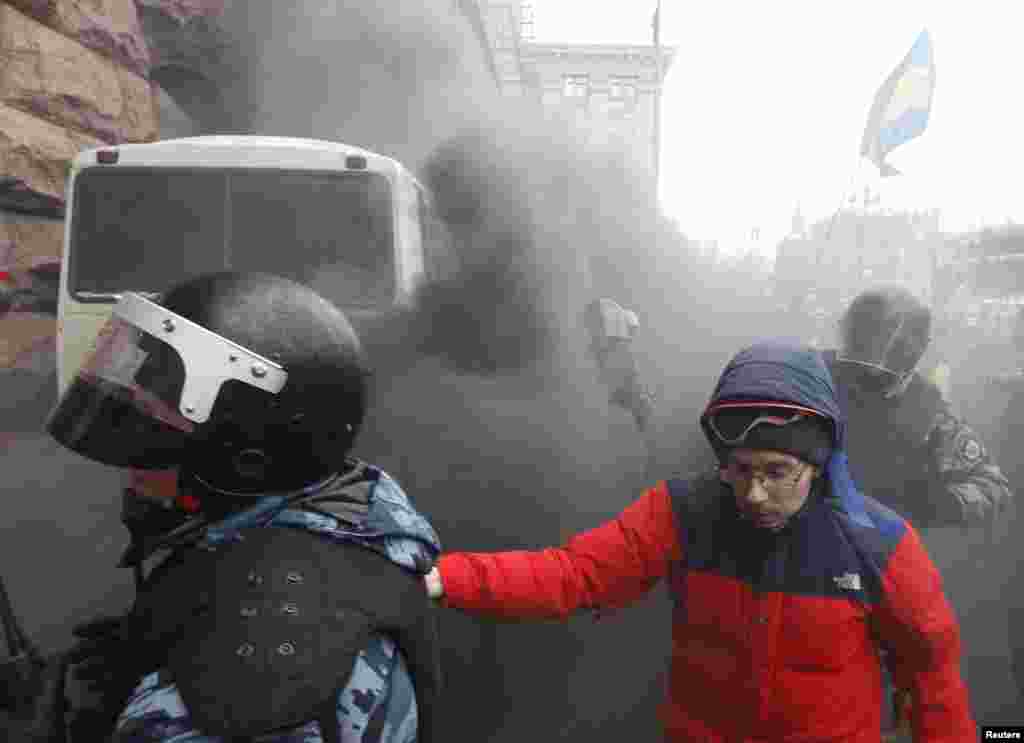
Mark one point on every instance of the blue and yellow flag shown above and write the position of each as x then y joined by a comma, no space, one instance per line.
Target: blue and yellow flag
902,105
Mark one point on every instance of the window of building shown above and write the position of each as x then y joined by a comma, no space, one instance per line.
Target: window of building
576,86
622,96
623,88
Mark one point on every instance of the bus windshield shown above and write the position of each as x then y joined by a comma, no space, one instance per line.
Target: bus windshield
145,229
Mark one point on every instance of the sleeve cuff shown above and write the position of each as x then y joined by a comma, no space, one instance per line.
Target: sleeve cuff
451,570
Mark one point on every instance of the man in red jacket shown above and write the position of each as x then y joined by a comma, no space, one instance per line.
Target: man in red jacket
787,580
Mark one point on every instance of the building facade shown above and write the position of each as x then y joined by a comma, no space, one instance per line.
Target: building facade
824,265
608,91
509,25
74,76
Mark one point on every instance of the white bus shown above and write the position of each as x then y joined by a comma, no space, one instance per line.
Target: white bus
354,225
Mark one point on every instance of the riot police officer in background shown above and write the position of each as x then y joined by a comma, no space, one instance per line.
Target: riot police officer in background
906,447
286,600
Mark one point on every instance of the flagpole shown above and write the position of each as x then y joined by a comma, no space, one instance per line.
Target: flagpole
892,93
844,197
657,94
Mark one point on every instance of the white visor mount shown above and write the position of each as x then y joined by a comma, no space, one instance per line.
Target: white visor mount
209,359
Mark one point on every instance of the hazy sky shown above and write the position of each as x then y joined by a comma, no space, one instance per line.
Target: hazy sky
765,105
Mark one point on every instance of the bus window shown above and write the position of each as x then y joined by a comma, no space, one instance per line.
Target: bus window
145,229
332,231
141,230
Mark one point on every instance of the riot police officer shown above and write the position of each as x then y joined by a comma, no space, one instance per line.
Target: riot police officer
906,447
287,603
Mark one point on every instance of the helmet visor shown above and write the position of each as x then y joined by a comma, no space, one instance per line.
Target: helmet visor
151,378
867,378
105,408
882,351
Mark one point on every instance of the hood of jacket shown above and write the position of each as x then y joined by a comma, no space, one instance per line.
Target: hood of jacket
781,371
784,371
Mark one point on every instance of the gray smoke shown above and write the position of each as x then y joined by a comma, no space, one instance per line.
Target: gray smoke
498,427
499,430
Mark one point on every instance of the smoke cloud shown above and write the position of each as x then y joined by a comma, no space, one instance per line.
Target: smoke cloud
487,408
498,428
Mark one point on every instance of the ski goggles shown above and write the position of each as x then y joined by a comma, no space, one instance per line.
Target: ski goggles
731,424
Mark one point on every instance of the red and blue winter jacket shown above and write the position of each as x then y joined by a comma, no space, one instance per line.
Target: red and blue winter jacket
776,635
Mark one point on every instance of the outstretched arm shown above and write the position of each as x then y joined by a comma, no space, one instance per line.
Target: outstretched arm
612,565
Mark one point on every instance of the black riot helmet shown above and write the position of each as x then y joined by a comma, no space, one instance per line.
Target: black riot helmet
883,335
250,383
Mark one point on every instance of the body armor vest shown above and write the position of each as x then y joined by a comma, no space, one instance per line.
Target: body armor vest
262,634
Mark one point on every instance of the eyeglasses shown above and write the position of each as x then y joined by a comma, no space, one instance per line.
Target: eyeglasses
776,479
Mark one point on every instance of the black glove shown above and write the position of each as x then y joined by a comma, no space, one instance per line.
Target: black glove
32,702
100,654
109,659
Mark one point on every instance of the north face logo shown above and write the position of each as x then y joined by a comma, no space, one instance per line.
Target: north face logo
848,581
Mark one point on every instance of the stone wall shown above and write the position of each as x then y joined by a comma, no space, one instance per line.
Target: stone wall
74,74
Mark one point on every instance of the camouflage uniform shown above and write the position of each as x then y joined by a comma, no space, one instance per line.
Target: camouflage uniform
377,705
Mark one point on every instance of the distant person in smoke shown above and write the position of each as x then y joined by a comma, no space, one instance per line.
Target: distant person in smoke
787,579
906,447
612,329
